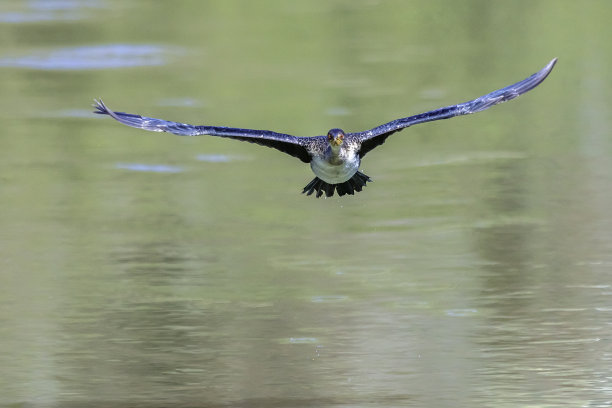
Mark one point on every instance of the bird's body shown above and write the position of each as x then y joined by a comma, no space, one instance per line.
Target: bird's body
335,158
334,168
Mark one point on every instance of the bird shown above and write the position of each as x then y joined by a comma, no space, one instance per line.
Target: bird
335,158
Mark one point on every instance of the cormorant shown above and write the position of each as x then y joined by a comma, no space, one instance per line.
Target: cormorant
334,158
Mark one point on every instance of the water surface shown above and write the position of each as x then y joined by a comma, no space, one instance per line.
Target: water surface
143,269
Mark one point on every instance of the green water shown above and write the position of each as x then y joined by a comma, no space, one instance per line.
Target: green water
144,269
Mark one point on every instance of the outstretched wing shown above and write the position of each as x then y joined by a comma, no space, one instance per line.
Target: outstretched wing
292,145
377,136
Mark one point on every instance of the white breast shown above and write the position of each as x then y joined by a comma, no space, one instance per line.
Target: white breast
334,173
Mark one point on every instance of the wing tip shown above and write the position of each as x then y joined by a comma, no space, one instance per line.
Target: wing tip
100,107
550,65
539,77
546,70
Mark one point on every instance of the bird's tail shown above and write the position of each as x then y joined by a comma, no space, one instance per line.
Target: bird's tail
355,183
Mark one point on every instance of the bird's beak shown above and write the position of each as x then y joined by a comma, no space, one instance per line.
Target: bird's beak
337,141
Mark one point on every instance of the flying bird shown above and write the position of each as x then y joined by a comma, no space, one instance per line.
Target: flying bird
336,157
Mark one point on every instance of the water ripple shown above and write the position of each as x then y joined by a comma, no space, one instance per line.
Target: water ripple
63,4
153,168
94,57
217,158
36,11
461,312
328,298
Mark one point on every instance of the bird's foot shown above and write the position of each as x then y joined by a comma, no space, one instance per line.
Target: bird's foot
355,183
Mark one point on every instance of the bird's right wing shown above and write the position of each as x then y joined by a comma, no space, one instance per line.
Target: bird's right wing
377,136
292,145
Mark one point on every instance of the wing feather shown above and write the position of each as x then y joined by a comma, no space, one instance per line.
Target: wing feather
377,136
292,145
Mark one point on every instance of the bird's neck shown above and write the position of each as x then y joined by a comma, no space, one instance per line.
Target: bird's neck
333,154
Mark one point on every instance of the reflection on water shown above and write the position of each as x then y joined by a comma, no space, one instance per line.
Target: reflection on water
218,158
154,168
93,57
141,269
36,11
328,298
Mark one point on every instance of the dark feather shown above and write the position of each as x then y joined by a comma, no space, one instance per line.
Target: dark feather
377,136
355,183
292,145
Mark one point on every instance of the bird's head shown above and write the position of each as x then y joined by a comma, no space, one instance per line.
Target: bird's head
335,137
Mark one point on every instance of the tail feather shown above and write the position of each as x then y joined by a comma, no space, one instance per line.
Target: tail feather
345,188
355,183
311,187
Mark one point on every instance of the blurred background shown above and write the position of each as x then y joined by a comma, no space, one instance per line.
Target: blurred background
145,269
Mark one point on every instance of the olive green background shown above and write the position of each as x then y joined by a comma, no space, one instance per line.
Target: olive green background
144,269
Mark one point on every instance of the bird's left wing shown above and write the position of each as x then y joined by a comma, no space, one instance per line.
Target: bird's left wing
377,136
292,145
